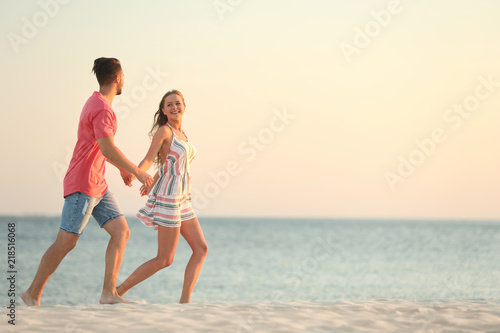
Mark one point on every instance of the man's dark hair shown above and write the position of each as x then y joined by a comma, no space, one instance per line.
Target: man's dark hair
106,69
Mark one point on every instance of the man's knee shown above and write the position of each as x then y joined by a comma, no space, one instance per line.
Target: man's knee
66,241
122,234
69,245
118,228
126,234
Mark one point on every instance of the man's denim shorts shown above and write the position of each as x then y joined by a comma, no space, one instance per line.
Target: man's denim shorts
79,206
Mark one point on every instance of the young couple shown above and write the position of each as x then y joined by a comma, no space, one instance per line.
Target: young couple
168,208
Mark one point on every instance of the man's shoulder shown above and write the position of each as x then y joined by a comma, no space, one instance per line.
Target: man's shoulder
97,104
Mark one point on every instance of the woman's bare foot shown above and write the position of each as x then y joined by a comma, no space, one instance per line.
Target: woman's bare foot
28,300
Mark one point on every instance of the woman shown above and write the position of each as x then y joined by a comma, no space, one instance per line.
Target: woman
168,208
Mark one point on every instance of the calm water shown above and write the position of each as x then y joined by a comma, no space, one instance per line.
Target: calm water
259,260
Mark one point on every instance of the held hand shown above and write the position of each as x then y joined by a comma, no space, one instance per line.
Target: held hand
145,190
144,178
127,177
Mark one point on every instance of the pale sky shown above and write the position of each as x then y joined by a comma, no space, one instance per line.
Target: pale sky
325,108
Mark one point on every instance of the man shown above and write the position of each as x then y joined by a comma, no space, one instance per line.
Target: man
85,189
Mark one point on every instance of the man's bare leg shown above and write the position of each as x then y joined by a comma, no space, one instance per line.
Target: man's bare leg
120,233
63,244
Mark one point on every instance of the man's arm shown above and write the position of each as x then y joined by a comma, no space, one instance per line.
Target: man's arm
126,176
115,165
116,157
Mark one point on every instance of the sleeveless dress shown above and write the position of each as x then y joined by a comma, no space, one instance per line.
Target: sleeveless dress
169,202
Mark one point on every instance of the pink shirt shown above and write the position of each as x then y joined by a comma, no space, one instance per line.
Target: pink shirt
86,170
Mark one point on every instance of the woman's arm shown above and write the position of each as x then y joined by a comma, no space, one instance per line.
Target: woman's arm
162,135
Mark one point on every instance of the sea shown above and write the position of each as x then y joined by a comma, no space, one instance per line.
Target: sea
273,275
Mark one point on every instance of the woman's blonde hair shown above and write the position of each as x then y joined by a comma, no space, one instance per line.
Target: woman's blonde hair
161,119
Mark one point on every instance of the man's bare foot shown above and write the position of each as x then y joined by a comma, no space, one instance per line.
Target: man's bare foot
28,300
115,299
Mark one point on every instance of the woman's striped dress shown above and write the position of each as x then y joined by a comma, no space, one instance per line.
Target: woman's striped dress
169,201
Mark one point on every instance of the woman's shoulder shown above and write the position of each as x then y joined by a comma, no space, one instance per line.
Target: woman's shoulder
164,131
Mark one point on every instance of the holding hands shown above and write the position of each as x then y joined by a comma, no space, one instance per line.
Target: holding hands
142,176
127,177
145,190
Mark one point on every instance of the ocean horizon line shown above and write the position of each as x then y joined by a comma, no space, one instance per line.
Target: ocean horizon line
299,218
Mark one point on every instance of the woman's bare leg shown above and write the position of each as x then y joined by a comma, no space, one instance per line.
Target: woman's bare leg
193,234
167,243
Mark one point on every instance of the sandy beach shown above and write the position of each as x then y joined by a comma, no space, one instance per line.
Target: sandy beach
380,277
339,316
